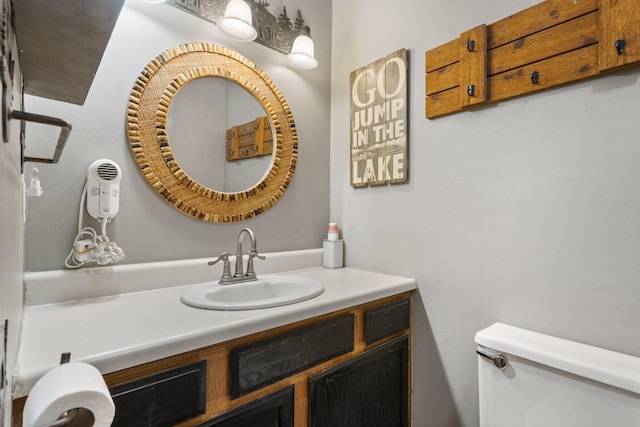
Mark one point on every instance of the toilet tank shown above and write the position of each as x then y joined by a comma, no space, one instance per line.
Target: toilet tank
552,382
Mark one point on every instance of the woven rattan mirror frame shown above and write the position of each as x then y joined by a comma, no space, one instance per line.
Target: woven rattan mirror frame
147,114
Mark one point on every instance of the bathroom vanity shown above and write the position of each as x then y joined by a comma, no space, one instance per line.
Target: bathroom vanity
343,356
315,369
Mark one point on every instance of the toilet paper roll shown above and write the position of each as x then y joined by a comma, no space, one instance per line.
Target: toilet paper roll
68,386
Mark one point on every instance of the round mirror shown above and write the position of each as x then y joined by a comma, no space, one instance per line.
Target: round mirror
205,118
151,129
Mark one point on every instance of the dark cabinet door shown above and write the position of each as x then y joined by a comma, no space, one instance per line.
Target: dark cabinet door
274,410
370,390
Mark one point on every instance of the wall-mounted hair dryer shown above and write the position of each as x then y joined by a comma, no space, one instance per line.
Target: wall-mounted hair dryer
102,194
103,189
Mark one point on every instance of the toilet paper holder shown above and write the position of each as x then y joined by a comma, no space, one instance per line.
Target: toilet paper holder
67,417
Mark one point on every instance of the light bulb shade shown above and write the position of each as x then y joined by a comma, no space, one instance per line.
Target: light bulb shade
237,22
302,51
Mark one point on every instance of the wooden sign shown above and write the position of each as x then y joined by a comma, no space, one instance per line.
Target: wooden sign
252,139
552,43
379,122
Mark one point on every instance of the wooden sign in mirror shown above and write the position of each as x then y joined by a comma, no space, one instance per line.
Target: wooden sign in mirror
249,140
149,137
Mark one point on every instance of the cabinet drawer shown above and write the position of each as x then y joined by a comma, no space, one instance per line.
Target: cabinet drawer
386,320
264,362
163,399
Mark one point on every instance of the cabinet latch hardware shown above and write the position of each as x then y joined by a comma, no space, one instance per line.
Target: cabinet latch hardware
620,45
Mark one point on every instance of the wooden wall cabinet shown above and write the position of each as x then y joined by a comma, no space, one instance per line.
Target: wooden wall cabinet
285,376
550,44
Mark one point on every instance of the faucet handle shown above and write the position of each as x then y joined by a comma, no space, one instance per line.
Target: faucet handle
226,268
253,253
224,257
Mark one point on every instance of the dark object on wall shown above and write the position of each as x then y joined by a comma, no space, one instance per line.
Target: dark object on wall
370,390
163,399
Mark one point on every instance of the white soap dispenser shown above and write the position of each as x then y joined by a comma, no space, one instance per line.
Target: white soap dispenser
333,248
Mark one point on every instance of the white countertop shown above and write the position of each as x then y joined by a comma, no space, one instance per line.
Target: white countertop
120,331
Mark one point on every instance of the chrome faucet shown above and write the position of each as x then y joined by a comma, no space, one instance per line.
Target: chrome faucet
240,275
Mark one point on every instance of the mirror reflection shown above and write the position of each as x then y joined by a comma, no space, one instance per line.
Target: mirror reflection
203,115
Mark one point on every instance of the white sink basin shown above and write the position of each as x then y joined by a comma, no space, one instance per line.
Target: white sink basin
272,291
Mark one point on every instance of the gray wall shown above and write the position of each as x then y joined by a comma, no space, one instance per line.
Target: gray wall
526,212
147,228
11,248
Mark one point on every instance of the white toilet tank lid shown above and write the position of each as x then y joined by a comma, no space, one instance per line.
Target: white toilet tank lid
598,364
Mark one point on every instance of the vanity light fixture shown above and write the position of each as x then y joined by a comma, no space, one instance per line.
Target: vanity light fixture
237,22
302,51
251,20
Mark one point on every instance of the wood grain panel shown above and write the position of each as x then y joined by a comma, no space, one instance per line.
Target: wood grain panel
556,40
620,21
443,78
553,43
443,103
442,56
571,67
473,66
537,18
